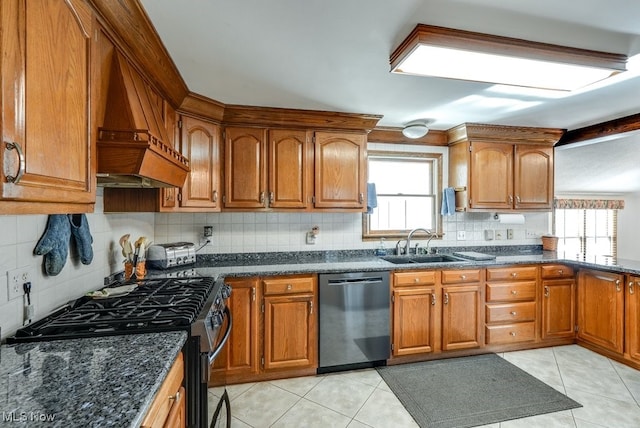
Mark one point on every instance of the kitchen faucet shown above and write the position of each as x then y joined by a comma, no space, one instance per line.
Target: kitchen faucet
431,234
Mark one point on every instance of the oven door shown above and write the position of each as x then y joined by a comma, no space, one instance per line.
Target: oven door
222,414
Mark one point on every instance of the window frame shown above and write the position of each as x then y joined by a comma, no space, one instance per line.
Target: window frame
436,158
584,238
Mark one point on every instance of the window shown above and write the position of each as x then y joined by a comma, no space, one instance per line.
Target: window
407,187
587,229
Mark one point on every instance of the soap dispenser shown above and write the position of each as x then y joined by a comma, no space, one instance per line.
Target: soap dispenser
381,250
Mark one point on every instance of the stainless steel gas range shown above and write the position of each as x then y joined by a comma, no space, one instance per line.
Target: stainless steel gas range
196,305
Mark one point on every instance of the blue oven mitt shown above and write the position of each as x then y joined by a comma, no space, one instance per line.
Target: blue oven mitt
82,237
54,244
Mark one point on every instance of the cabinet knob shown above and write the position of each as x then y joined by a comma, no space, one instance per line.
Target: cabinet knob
560,271
416,279
463,276
289,287
514,313
514,292
513,333
514,274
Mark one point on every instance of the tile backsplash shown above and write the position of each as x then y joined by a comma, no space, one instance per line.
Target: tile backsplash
263,232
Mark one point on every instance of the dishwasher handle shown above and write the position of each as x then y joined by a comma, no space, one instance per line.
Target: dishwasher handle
362,281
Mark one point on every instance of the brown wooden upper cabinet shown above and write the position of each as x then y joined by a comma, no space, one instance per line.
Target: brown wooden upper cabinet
201,145
340,164
47,126
245,168
500,168
276,168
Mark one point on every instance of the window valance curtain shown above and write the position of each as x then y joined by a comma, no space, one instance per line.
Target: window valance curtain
589,204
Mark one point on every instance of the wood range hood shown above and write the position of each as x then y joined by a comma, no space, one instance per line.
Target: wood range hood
131,146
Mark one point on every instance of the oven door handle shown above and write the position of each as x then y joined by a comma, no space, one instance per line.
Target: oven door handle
213,355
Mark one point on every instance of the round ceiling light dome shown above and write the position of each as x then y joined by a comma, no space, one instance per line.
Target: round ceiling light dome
415,130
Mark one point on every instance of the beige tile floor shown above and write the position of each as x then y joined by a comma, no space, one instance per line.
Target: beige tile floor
608,391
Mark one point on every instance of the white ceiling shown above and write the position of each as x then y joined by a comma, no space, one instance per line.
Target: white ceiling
334,55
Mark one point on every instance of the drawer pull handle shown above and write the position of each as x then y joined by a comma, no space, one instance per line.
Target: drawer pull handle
514,292
289,287
514,313
416,279
175,397
561,272
514,274
631,287
463,276
513,333
433,300
446,298
546,291
617,285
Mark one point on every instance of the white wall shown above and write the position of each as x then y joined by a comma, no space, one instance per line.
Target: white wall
628,230
19,236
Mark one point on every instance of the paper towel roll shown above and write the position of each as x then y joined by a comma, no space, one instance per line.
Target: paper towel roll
511,218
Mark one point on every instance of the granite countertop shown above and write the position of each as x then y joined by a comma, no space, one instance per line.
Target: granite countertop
293,263
91,382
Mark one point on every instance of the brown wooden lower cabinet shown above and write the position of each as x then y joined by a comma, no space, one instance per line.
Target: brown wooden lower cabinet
633,318
414,312
168,408
558,302
601,309
289,323
239,357
461,317
274,330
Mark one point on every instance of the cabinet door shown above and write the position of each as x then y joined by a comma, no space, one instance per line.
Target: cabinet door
240,356
290,164
601,309
245,169
413,320
340,164
491,175
290,332
633,317
558,313
46,122
533,177
201,145
461,317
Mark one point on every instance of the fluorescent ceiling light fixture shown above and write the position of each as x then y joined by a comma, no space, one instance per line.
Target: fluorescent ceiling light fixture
464,55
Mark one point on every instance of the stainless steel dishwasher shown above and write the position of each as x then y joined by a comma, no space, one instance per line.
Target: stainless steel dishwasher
354,320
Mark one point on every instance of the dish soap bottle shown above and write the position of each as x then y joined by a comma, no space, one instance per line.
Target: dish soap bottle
381,250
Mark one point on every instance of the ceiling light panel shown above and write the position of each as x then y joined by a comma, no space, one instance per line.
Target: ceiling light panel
464,55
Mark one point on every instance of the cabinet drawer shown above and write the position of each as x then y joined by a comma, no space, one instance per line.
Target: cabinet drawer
511,312
556,271
512,273
166,395
511,291
414,278
460,276
288,285
511,333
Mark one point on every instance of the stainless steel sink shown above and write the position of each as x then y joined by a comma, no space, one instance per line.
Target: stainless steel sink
434,258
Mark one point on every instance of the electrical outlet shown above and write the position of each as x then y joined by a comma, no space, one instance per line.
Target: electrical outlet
15,279
461,236
530,234
499,235
509,233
